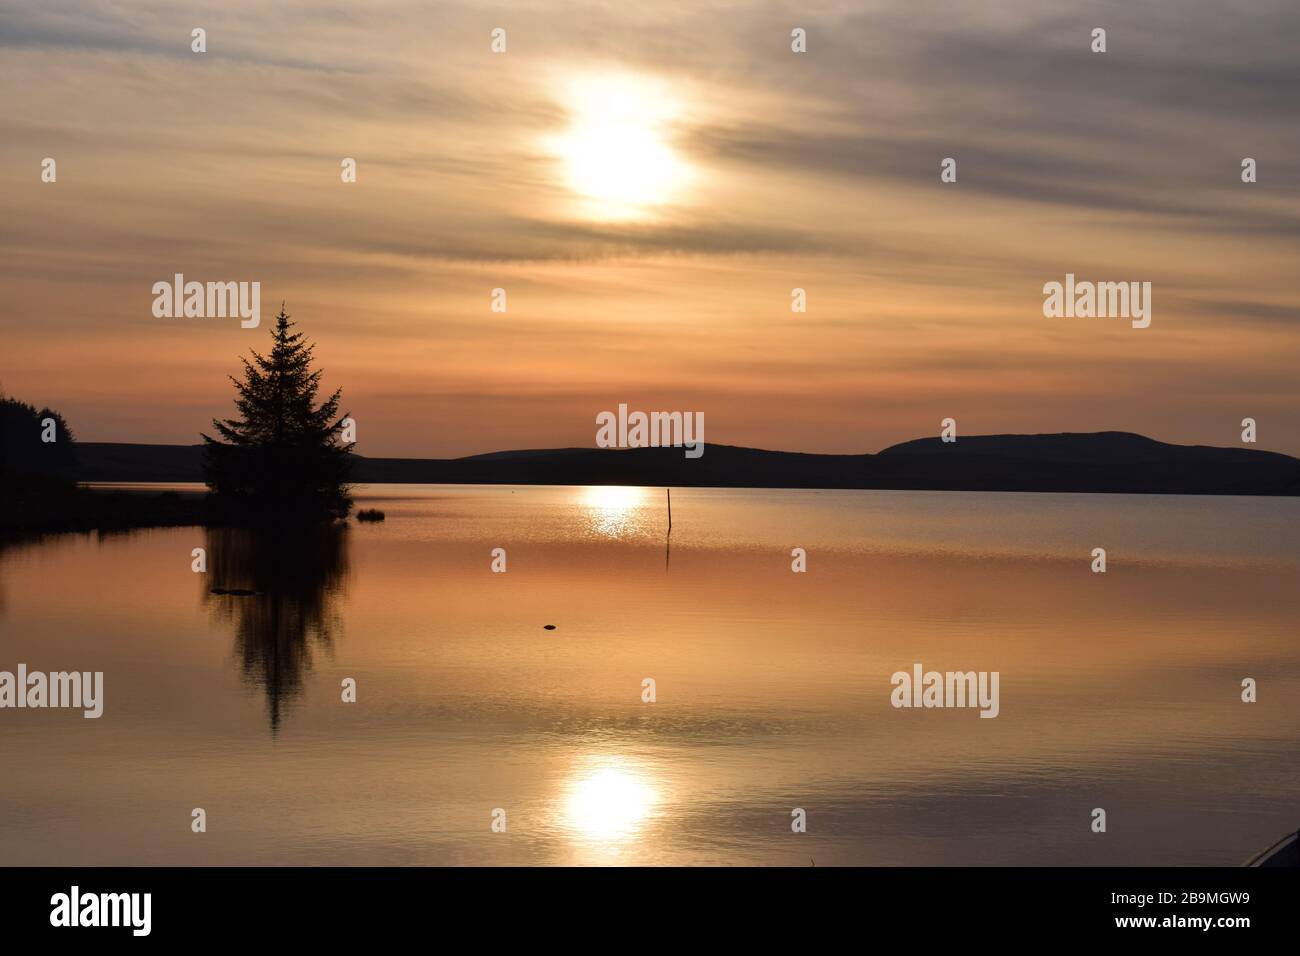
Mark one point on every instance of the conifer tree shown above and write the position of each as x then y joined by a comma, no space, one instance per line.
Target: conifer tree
282,458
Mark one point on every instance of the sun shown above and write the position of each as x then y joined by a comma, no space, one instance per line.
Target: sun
617,153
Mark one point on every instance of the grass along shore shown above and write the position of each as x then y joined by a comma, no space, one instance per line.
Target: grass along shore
35,505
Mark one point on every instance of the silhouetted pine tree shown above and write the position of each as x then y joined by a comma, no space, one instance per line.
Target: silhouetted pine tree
283,459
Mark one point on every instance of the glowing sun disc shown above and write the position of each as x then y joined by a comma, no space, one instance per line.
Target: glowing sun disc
617,153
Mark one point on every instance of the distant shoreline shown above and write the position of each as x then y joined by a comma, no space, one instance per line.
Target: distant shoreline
1092,463
147,488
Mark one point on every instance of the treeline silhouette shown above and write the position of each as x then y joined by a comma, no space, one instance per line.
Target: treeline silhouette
31,470
38,489
34,441
281,460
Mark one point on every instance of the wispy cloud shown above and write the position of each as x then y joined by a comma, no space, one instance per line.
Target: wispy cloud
817,170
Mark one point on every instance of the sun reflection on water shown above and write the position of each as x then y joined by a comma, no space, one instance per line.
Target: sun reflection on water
612,510
608,801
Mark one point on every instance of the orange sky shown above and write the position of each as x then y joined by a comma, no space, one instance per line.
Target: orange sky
648,185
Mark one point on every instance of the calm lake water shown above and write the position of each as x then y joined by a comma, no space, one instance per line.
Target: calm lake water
1119,690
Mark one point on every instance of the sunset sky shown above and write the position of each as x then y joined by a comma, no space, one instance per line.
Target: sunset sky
648,182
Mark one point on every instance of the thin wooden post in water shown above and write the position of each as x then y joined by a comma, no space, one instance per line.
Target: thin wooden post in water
668,538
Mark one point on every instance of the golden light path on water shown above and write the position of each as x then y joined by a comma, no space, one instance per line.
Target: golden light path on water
612,508
608,799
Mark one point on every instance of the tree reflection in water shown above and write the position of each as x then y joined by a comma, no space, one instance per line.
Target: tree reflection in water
281,589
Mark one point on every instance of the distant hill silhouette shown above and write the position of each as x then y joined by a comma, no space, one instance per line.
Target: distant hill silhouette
1108,462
